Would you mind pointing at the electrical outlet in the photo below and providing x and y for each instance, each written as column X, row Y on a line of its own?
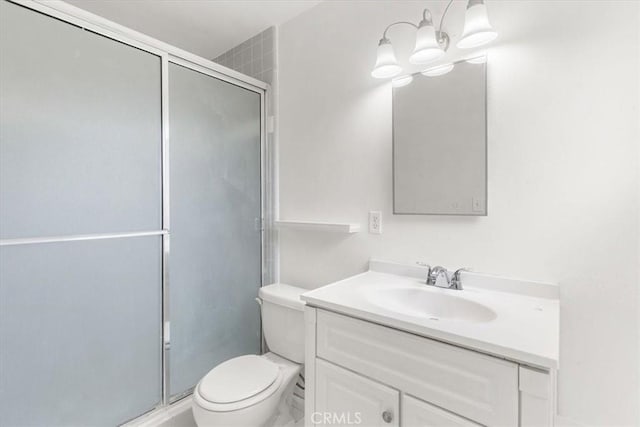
column 375, row 222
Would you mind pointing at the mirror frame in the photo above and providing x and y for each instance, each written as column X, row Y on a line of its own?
column 486, row 145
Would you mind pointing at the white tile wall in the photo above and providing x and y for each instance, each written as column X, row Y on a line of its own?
column 253, row 57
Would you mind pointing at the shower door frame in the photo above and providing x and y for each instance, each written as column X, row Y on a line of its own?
column 170, row 54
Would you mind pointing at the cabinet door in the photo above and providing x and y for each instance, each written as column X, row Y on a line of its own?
column 346, row 399
column 418, row 413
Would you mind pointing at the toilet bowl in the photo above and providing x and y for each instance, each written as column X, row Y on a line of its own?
column 248, row 390
column 222, row 399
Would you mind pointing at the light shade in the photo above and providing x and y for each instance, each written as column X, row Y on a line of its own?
column 386, row 63
column 480, row 59
column 439, row 70
column 427, row 47
column 402, row 81
column 477, row 29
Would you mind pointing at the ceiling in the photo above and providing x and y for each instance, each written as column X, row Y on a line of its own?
column 205, row 27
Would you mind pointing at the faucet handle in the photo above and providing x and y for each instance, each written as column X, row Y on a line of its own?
column 424, row 264
column 456, row 281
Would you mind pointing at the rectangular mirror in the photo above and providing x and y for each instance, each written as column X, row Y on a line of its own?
column 440, row 141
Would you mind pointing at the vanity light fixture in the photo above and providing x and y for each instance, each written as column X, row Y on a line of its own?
column 402, row 81
column 431, row 43
column 440, row 70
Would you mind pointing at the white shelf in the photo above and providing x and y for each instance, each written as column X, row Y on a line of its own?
column 333, row 227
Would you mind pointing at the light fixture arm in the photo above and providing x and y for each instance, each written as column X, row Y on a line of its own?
column 442, row 37
column 384, row 34
column 446, row 9
column 424, row 14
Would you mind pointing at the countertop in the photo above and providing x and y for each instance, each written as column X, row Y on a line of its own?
column 525, row 328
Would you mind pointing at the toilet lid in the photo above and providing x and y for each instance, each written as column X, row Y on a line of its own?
column 238, row 379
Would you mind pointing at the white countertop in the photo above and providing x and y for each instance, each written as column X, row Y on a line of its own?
column 525, row 328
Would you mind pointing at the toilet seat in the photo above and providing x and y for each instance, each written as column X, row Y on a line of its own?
column 238, row 383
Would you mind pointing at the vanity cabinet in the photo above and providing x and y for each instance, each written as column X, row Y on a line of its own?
column 359, row 372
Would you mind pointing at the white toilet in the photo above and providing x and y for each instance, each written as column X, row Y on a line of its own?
column 247, row 390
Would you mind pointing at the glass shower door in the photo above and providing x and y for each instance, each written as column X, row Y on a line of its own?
column 80, row 225
column 215, row 199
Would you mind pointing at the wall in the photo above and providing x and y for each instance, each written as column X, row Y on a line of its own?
column 563, row 171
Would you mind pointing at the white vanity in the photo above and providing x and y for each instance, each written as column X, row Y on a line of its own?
column 384, row 349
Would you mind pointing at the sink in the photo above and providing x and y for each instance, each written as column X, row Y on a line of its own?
column 431, row 304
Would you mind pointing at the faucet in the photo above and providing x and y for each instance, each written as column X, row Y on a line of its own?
column 456, row 281
column 439, row 276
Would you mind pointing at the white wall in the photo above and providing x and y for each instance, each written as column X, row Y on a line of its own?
column 563, row 171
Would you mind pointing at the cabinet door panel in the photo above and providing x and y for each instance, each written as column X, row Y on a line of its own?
column 345, row 399
column 417, row 413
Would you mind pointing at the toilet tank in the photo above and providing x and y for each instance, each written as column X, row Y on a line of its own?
column 283, row 320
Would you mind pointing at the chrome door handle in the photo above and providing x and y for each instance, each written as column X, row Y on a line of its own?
column 387, row 416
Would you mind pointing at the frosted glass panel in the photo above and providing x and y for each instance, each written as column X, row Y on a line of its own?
column 80, row 132
column 80, row 332
column 215, row 242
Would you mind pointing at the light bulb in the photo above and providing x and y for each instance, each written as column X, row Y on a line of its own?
column 402, row 81
column 439, row 70
column 477, row 29
column 480, row 59
column 427, row 48
column 386, row 63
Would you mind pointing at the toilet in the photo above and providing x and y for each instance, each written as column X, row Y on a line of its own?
column 248, row 390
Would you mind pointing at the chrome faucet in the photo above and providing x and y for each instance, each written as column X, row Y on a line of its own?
column 456, row 281
column 435, row 277
column 439, row 276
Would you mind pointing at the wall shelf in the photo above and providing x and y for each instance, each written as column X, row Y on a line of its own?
column 332, row 227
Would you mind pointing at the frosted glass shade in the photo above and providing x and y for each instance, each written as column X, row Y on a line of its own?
column 402, row 81
column 439, row 70
column 386, row 62
column 477, row 29
column 427, row 48
column 481, row 59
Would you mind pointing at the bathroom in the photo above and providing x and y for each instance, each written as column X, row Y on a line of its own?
column 180, row 180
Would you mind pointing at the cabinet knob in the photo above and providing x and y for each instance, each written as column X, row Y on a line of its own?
column 387, row 416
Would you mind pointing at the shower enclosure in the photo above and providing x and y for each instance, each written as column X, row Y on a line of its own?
column 131, row 207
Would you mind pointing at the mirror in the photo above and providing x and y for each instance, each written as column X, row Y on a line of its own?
column 440, row 141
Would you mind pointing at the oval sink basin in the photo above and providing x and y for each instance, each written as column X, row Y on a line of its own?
column 430, row 304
